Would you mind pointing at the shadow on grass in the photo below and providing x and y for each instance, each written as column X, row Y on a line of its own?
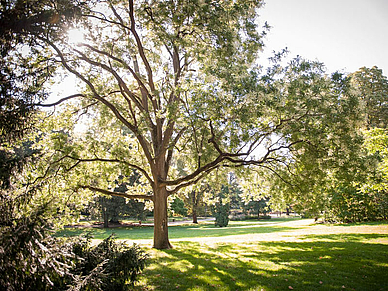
column 353, row 264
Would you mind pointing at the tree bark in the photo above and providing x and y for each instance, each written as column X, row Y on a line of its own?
column 195, row 205
column 161, row 219
column 195, row 218
column 105, row 217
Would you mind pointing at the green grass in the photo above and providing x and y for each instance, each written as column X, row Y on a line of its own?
column 205, row 229
column 282, row 257
column 316, row 265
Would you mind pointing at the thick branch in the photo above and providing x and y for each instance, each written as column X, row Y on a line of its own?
column 233, row 158
column 96, row 96
column 110, row 70
column 192, row 182
column 61, row 100
column 119, row 194
column 172, row 146
column 134, row 74
column 140, row 46
column 193, row 175
column 144, row 172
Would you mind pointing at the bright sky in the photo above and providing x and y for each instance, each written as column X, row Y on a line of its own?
column 343, row 34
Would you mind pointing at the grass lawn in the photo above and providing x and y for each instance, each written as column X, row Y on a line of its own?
column 264, row 255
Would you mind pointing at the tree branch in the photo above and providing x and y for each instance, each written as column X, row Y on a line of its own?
column 144, row 172
column 96, row 96
column 60, row 101
column 140, row 46
column 118, row 194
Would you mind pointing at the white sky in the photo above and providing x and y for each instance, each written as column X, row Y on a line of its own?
column 343, row 34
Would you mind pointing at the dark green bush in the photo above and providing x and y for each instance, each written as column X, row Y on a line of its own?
column 109, row 265
column 31, row 258
column 221, row 213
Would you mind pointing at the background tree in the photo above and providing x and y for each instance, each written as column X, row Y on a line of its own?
column 376, row 187
column 25, row 64
column 360, row 200
column 372, row 87
column 257, row 206
column 221, row 206
column 195, row 200
column 178, row 207
column 112, row 208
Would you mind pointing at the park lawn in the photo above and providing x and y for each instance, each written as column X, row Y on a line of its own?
column 272, row 255
column 188, row 230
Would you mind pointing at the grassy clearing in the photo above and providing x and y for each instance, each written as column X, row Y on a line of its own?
column 271, row 255
column 181, row 231
column 353, row 264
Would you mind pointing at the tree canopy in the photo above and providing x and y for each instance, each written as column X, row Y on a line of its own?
column 173, row 90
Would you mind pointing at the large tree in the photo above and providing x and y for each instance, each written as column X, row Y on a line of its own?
column 178, row 82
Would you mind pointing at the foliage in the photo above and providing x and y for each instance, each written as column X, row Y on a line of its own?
column 30, row 258
column 221, row 208
column 365, row 196
column 349, row 204
column 257, row 206
column 372, row 87
column 221, row 213
column 107, row 266
column 26, row 64
column 178, row 207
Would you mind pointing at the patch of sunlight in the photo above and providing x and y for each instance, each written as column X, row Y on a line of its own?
column 263, row 266
column 280, row 249
column 182, row 266
column 326, row 258
column 155, row 254
column 337, row 249
column 210, row 279
column 379, row 241
column 225, row 255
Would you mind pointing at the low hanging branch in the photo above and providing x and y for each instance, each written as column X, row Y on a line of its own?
column 118, row 194
column 144, row 172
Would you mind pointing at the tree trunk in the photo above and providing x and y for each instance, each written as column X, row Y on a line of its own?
column 195, row 205
column 195, row 218
column 105, row 216
column 161, row 219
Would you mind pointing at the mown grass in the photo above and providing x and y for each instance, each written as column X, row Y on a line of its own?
column 306, row 261
column 204, row 229
column 353, row 264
